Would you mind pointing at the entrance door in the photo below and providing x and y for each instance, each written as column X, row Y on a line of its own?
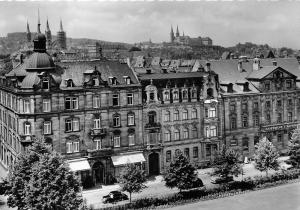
column 153, row 164
column 98, row 173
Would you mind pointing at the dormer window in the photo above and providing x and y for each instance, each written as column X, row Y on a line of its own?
column 267, row 85
column 45, row 84
column 210, row 93
column 167, row 96
column 69, row 83
column 184, row 94
column 175, row 95
column 288, row 84
column 113, row 80
column 230, row 88
column 246, row 87
column 95, row 82
column 127, row 80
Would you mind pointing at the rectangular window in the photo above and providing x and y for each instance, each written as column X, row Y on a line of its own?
column 255, row 105
column 167, row 136
column 27, row 130
column 117, row 141
column 69, row 147
column 279, row 103
column 245, row 121
column 279, row 118
column 233, row 123
column 115, row 99
column 268, row 118
column 176, row 135
column 245, row 144
column 98, row 144
column 212, row 112
column 185, row 133
column 279, row 138
column 194, row 114
column 26, row 106
column 256, row 120
column 97, row 123
column 185, row 115
column 195, row 152
column 167, row 116
column 76, row 146
column 213, row 131
column 232, row 107
column 187, row 152
column 96, row 101
column 68, row 125
column 116, row 121
column 71, row 103
column 129, row 99
column 130, row 119
column 168, row 156
column 176, row 115
column 131, row 139
column 244, row 107
column 75, row 124
column 290, row 102
column 288, row 84
column 206, row 112
column 46, row 105
column 47, row 127
column 290, row 116
column 268, row 104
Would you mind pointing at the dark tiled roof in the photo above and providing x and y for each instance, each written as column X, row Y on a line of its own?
column 177, row 75
column 39, row 60
column 76, row 70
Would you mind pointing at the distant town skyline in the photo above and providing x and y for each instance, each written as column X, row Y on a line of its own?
column 227, row 23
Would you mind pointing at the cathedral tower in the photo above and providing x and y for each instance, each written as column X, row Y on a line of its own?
column 177, row 32
column 172, row 35
column 48, row 36
column 61, row 37
column 28, row 33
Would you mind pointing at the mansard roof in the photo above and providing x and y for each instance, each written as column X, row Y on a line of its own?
column 178, row 75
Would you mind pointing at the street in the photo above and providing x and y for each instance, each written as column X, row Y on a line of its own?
column 285, row 197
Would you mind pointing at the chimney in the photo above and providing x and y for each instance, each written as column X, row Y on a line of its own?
column 274, row 63
column 208, row 66
column 240, row 66
column 256, row 64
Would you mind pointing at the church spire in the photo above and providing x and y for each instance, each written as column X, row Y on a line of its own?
column 61, row 26
column 39, row 23
column 177, row 32
column 47, row 25
column 172, row 35
column 28, row 30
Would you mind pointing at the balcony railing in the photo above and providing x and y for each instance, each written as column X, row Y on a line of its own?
column 153, row 125
column 98, row 131
column 101, row 152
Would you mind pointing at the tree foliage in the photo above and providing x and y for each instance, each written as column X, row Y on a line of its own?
column 182, row 175
column 294, row 149
column 227, row 163
column 133, row 179
column 266, row 156
column 41, row 180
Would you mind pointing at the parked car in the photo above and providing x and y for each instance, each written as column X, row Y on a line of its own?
column 114, row 196
column 222, row 179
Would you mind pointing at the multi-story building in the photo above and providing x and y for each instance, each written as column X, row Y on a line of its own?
column 90, row 112
column 260, row 98
column 181, row 113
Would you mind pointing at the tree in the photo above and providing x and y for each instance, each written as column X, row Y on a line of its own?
column 40, row 179
column 266, row 156
column 294, row 148
column 182, row 174
column 227, row 163
column 133, row 179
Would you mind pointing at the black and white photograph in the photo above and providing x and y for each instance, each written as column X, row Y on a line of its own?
column 115, row 105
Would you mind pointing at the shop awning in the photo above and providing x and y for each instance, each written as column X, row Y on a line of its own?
column 127, row 159
column 79, row 164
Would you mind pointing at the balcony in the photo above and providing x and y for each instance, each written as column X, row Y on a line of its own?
column 27, row 139
column 98, row 132
column 153, row 125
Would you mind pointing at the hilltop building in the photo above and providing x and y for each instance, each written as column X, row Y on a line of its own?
column 186, row 40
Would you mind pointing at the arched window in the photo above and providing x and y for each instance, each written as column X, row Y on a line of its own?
column 175, row 95
column 167, row 96
column 245, row 144
column 185, row 133
column 167, row 135
column 245, row 121
column 177, row 152
column 194, row 93
column 213, row 130
column 184, row 95
column 45, row 84
column 176, row 134
column 210, row 93
column 152, row 117
column 70, row 83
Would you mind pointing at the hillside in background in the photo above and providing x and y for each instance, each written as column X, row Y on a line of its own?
column 16, row 41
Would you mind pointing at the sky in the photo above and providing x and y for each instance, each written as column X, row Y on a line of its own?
column 225, row 22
